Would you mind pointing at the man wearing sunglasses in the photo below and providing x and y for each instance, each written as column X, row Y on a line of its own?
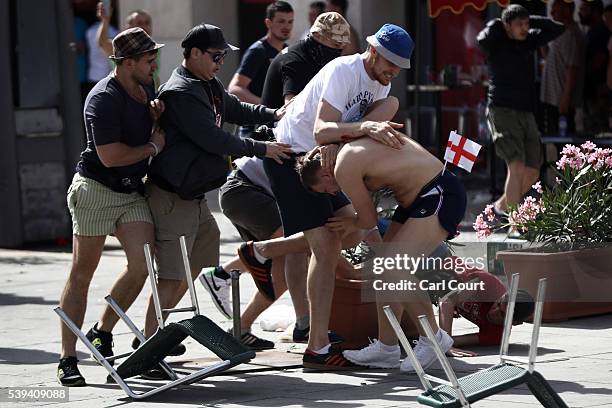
column 194, row 160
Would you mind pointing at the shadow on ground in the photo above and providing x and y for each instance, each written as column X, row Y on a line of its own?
column 31, row 356
column 11, row 299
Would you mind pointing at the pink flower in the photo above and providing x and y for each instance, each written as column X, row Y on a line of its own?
column 588, row 146
column 570, row 150
column 481, row 227
column 557, row 180
column 488, row 211
column 538, row 187
column 562, row 163
column 572, row 157
column 609, row 162
column 526, row 212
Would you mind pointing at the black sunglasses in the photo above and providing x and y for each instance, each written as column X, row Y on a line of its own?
column 217, row 56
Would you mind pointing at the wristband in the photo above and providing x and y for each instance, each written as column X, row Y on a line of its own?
column 154, row 147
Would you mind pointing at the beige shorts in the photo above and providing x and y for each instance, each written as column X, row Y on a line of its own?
column 516, row 135
column 97, row 210
column 174, row 217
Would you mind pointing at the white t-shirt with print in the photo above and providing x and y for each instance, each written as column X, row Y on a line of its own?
column 344, row 84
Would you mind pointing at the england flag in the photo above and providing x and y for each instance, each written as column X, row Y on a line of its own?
column 461, row 151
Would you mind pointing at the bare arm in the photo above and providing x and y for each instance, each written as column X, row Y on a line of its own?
column 289, row 97
column 239, row 86
column 102, row 34
column 466, row 340
column 349, row 176
column 328, row 128
column 120, row 154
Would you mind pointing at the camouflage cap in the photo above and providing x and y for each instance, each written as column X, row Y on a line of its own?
column 332, row 26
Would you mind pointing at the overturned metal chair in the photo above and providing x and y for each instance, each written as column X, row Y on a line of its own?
column 461, row 392
column 152, row 351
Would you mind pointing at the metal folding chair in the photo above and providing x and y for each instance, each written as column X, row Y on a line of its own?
column 461, row 392
column 152, row 351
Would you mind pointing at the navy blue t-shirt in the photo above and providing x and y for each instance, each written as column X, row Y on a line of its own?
column 255, row 63
column 111, row 115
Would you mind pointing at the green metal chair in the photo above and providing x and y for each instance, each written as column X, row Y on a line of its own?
column 152, row 351
column 461, row 392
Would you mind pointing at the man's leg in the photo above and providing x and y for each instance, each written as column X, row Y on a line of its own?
column 86, row 253
column 202, row 251
column 530, row 177
column 296, row 275
column 325, row 246
column 132, row 236
column 259, row 302
column 276, row 247
column 430, row 234
column 385, row 352
column 166, row 289
column 513, row 189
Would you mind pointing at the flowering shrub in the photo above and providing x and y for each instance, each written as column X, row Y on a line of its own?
column 576, row 210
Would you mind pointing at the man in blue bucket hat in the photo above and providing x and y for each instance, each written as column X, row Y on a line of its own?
column 347, row 99
column 394, row 44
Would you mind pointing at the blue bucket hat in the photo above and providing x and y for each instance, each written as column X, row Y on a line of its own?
column 393, row 43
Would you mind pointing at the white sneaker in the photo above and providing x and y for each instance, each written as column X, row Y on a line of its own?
column 220, row 291
column 374, row 356
column 425, row 353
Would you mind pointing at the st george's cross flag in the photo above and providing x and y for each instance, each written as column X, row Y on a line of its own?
column 461, row 151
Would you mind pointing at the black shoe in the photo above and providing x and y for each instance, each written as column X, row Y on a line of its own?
column 261, row 272
column 332, row 361
column 102, row 341
column 253, row 342
column 301, row 336
column 177, row 350
column 68, row 373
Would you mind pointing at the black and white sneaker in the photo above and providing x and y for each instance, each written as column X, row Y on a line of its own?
column 102, row 341
column 220, row 291
column 68, row 373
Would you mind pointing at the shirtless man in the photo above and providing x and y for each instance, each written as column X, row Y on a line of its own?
column 431, row 205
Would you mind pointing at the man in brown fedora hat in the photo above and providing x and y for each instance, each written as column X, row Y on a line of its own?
column 105, row 196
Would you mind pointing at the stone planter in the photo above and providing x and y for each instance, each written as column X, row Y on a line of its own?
column 579, row 282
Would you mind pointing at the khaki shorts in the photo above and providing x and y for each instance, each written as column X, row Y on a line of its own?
column 97, row 210
column 516, row 135
column 174, row 217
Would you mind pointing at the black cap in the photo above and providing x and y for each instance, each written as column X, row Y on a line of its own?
column 204, row 36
